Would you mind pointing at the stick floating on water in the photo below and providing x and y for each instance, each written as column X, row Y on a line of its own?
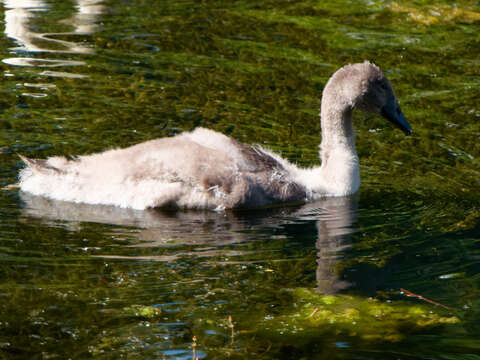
column 411, row 294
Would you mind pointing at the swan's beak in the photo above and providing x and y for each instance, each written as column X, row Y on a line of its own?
column 392, row 112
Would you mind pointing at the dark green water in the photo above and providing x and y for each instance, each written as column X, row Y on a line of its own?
column 322, row 281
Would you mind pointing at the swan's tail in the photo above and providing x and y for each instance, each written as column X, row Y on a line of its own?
column 40, row 166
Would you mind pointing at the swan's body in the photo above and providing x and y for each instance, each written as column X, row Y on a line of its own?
column 204, row 169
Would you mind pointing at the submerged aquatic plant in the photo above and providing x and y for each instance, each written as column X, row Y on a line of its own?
column 143, row 311
column 434, row 14
column 369, row 319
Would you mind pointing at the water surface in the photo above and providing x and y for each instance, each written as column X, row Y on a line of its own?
column 325, row 280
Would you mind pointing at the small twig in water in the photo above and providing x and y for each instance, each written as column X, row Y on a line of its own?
column 230, row 324
column 194, row 348
column 103, row 281
column 313, row 312
column 11, row 187
column 410, row 294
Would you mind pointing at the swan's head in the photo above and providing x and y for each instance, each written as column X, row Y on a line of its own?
column 365, row 87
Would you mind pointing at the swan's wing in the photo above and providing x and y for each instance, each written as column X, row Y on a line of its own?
column 258, row 160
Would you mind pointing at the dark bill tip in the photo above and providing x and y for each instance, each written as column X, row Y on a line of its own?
column 393, row 113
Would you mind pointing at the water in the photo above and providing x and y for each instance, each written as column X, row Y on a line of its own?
column 391, row 273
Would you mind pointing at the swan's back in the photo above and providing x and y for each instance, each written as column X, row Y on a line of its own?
column 201, row 169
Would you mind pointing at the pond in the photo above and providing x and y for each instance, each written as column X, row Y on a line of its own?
column 390, row 273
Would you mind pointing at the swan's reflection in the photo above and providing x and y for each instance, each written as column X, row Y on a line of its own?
column 334, row 218
column 334, row 228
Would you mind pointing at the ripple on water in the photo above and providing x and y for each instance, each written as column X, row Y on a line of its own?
column 35, row 62
column 62, row 74
column 20, row 18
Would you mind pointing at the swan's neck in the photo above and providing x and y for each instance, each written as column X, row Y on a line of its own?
column 339, row 173
column 337, row 131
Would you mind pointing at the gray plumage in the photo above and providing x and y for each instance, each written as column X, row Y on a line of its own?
column 204, row 169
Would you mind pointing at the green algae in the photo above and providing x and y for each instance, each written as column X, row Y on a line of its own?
column 434, row 14
column 142, row 311
column 369, row 319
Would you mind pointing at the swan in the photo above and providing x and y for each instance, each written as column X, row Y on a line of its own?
column 204, row 169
